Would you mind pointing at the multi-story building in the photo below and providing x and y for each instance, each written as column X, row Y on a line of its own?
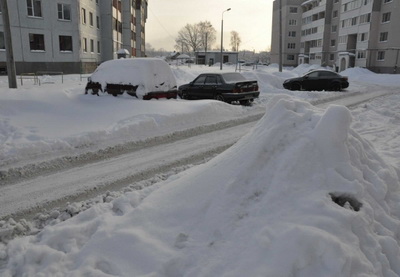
column 338, row 33
column 73, row 36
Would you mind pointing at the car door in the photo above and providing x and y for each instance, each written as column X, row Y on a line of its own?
column 312, row 81
column 196, row 87
column 210, row 86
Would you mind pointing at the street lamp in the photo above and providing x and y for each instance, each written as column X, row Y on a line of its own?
column 222, row 35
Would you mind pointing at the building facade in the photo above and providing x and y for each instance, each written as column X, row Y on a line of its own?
column 338, row 33
column 72, row 36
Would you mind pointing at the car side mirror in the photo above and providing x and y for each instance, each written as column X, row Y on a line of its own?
column 306, row 77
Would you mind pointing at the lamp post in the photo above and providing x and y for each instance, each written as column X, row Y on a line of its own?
column 222, row 35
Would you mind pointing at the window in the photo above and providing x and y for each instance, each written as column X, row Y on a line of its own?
column 387, row 1
column 336, row 1
column 2, row 41
column 84, row 46
column 333, row 42
column 365, row 18
column 200, row 80
column 98, row 22
column 293, row 9
column 331, row 57
column 292, row 34
column 343, row 39
column 91, row 18
column 64, row 11
column 290, row 57
column 36, row 42
column 334, row 28
column 335, row 14
column 83, row 16
column 34, row 8
column 362, row 54
column 98, row 47
column 354, row 21
column 381, row 56
column 65, row 43
column 291, row 46
column 92, row 46
column 386, row 17
column 363, row 36
column 292, row 22
column 383, row 36
column 211, row 80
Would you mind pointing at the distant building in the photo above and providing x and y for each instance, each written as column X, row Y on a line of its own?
column 338, row 33
column 212, row 57
column 73, row 36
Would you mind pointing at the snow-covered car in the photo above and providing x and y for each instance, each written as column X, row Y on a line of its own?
column 145, row 78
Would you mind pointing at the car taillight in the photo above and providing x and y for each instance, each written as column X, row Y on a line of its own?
column 255, row 87
column 345, row 78
column 236, row 90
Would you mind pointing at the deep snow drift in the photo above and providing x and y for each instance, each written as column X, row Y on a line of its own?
column 301, row 195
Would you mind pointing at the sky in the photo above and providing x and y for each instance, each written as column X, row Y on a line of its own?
column 252, row 19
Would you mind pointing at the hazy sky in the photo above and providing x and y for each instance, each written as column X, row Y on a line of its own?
column 250, row 18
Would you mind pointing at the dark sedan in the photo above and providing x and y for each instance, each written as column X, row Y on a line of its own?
column 227, row 87
column 318, row 80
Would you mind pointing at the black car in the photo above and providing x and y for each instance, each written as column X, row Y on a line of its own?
column 318, row 80
column 227, row 87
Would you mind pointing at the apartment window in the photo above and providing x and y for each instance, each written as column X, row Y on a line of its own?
column 64, row 11
column 290, row 57
column 36, row 42
column 386, row 17
column 292, row 22
column 335, row 14
column 381, row 56
column 292, row 34
column 336, row 1
column 291, row 46
column 98, row 22
column 34, row 8
column 293, row 9
column 363, row 36
column 387, row 1
column 92, row 46
column 333, row 42
column 365, row 18
column 343, row 39
column 334, row 28
column 383, row 36
column 91, row 18
column 83, row 16
column 362, row 54
column 354, row 21
column 84, row 45
column 98, row 47
column 331, row 57
column 65, row 43
column 2, row 41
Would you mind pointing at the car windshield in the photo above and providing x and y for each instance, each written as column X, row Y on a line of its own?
column 233, row 77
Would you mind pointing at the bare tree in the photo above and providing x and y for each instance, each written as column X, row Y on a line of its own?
column 194, row 37
column 189, row 39
column 207, row 34
column 235, row 41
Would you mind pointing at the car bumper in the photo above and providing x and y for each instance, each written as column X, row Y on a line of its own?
column 240, row 96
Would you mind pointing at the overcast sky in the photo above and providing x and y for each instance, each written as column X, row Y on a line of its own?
column 250, row 18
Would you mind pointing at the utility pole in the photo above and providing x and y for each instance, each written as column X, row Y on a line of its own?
column 12, row 78
column 280, row 35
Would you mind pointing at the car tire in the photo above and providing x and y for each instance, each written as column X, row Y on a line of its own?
column 244, row 102
column 184, row 95
column 219, row 97
column 335, row 87
column 295, row 86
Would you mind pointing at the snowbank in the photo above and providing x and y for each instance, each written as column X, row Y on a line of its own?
column 301, row 195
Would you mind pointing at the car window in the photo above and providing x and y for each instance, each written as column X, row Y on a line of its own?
column 233, row 77
column 330, row 74
column 200, row 80
column 313, row 74
column 211, row 80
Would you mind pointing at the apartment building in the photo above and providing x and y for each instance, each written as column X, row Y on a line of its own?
column 338, row 33
column 73, row 36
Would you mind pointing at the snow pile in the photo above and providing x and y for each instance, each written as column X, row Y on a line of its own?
column 149, row 74
column 366, row 76
column 301, row 195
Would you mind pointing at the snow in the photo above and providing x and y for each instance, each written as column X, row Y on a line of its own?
column 309, row 191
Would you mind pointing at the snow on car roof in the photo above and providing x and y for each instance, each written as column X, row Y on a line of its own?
column 149, row 74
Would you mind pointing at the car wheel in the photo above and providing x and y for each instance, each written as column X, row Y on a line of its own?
column 219, row 97
column 335, row 87
column 184, row 95
column 244, row 102
column 295, row 86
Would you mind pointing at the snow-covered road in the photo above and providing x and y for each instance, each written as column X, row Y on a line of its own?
column 55, row 189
